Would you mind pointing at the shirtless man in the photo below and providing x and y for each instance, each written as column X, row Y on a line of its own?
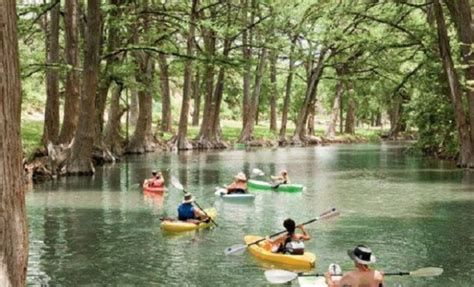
column 363, row 276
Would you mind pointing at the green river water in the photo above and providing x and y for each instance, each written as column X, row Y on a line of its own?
column 413, row 212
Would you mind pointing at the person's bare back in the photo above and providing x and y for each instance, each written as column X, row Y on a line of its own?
column 370, row 278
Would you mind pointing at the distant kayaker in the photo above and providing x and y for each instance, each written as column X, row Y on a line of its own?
column 239, row 185
column 283, row 178
column 290, row 242
column 363, row 276
column 156, row 180
column 188, row 212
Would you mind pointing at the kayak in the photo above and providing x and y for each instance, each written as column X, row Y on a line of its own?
column 311, row 281
column 319, row 281
column 160, row 189
column 222, row 192
column 263, row 185
column 182, row 226
column 262, row 250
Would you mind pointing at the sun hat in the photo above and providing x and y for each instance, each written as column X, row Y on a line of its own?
column 241, row 176
column 154, row 172
column 284, row 171
column 188, row 198
column 361, row 254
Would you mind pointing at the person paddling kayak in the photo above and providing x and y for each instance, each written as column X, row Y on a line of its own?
column 239, row 185
column 156, row 180
column 188, row 212
column 290, row 242
column 363, row 276
column 283, row 178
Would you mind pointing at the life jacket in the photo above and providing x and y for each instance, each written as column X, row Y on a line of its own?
column 186, row 211
column 156, row 183
column 294, row 247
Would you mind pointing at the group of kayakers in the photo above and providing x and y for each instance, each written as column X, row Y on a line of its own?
column 289, row 242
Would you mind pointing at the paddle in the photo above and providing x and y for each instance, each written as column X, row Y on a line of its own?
column 240, row 248
column 175, row 182
column 278, row 276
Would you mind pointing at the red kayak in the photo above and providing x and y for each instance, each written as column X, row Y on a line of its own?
column 160, row 189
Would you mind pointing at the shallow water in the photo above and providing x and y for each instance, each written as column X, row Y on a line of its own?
column 413, row 212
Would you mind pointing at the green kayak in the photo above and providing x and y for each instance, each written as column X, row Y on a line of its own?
column 263, row 185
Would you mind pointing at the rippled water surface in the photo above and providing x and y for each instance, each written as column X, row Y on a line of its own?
column 413, row 212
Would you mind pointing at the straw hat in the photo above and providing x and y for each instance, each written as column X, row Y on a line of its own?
column 241, row 176
column 188, row 198
column 284, row 172
column 361, row 254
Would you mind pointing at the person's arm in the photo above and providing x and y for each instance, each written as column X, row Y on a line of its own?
column 199, row 213
column 305, row 235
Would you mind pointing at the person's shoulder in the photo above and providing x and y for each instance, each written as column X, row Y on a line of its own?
column 378, row 275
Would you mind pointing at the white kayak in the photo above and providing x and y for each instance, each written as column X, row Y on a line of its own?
column 222, row 192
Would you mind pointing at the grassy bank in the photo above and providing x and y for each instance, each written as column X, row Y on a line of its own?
column 31, row 131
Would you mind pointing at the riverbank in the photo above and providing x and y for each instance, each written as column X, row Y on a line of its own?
column 39, row 167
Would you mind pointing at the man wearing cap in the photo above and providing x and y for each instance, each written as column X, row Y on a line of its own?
column 187, row 211
column 156, row 180
column 239, row 185
column 363, row 276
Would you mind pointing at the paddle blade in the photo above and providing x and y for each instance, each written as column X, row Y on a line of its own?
column 235, row 249
column 280, row 276
column 175, row 182
column 427, row 272
column 257, row 172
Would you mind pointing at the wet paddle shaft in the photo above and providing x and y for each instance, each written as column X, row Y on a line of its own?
column 175, row 182
column 238, row 249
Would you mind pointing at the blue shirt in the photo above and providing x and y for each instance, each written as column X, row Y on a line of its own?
column 186, row 211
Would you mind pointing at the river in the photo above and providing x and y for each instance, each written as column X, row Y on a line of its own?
column 412, row 211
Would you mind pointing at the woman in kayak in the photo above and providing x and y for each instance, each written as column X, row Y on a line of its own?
column 363, row 276
column 188, row 212
column 290, row 242
column 283, row 178
column 156, row 180
column 239, row 185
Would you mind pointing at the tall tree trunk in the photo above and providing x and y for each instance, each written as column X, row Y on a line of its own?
column 197, row 99
column 209, row 38
column 113, row 41
column 331, row 129
column 247, row 37
column 286, row 102
column 351, row 110
column 218, row 95
column 133, row 105
column 73, row 80
column 460, row 11
column 166, row 117
column 300, row 131
column 247, row 131
column 142, row 140
column 273, row 81
column 80, row 161
column 181, row 141
column 13, row 225
column 51, row 114
column 310, row 127
column 378, row 119
column 465, row 157
column 113, row 135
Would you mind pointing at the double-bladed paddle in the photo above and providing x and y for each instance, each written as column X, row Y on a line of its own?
column 175, row 182
column 240, row 248
column 278, row 276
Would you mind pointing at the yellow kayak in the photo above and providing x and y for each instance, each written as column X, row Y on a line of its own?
column 182, row 226
column 262, row 250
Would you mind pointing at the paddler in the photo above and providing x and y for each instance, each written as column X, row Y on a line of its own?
column 362, row 276
column 239, row 185
column 282, row 178
column 155, row 181
column 188, row 212
column 290, row 242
